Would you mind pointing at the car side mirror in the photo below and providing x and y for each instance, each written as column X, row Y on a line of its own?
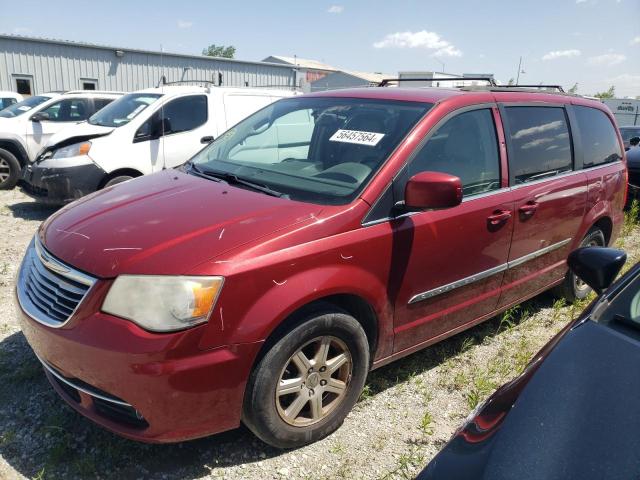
column 634, row 141
column 40, row 117
column 432, row 190
column 161, row 127
column 598, row 267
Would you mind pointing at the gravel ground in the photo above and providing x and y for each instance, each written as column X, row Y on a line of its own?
column 406, row 414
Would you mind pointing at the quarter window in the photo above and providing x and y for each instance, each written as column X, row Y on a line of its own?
column 539, row 145
column 598, row 137
column 465, row 146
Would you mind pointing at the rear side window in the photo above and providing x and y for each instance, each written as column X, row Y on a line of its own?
column 100, row 103
column 465, row 146
column 598, row 137
column 71, row 110
column 186, row 113
column 539, row 143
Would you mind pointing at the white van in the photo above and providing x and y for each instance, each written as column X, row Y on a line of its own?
column 27, row 126
column 141, row 133
column 9, row 98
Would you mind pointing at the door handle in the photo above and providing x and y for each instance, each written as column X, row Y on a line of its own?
column 498, row 217
column 528, row 209
column 207, row 139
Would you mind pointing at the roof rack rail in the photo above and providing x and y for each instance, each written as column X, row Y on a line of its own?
column 108, row 92
column 548, row 87
column 386, row 81
column 163, row 81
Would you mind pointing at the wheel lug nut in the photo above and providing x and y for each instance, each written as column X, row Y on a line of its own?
column 323, row 382
column 310, row 370
column 323, row 369
column 311, row 392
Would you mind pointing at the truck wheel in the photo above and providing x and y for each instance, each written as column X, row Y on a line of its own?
column 117, row 180
column 572, row 288
column 307, row 383
column 9, row 170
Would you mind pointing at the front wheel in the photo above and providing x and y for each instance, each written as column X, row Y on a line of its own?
column 308, row 381
column 117, row 180
column 573, row 288
column 9, row 170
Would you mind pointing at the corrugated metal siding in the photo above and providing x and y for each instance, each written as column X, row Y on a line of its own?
column 62, row 66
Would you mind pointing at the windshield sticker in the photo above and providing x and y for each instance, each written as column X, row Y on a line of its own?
column 24, row 108
column 138, row 109
column 370, row 139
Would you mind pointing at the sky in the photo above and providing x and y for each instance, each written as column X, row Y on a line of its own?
column 595, row 43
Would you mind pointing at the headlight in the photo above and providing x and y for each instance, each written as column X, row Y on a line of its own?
column 74, row 150
column 162, row 303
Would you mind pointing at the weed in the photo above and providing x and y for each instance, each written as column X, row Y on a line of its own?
column 366, row 393
column 631, row 218
column 39, row 475
column 426, row 424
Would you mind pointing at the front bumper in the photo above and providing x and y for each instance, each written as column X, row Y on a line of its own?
column 144, row 386
column 60, row 185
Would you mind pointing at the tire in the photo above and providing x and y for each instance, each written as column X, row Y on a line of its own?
column 572, row 288
column 116, row 180
column 9, row 170
column 289, row 419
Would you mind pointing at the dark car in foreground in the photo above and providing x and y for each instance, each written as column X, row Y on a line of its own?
column 572, row 413
column 628, row 133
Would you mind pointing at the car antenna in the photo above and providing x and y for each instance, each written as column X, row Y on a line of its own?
column 164, row 80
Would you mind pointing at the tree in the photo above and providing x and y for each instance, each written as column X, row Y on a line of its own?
column 574, row 89
column 611, row 93
column 214, row 50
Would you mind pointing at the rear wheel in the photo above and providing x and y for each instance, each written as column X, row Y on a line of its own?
column 572, row 288
column 306, row 384
column 9, row 170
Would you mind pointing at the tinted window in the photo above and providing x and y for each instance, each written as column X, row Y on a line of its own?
column 100, row 103
column 629, row 132
column 186, row 113
column 70, row 110
column 539, row 143
column 465, row 146
column 598, row 137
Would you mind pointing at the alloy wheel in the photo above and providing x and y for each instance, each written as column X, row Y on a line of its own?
column 314, row 381
column 5, row 170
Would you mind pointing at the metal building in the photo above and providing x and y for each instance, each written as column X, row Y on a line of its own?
column 35, row 65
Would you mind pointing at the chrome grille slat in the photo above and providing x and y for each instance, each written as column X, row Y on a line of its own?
column 50, row 300
column 50, row 291
column 57, row 280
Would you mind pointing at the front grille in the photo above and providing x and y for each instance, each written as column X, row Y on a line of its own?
column 49, row 290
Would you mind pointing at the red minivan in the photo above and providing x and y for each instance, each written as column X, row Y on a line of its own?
column 322, row 237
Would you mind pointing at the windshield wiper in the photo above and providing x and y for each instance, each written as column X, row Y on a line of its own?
column 230, row 178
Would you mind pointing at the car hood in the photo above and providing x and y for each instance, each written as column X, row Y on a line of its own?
column 166, row 223
column 78, row 132
column 575, row 417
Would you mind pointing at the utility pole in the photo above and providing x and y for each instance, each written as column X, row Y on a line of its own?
column 441, row 63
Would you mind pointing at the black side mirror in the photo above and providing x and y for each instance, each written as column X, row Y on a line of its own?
column 634, row 141
column 39, row 117
column 597, row 266
column 161, row 127
column 206, row 140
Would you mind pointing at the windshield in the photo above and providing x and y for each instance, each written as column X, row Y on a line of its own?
column 123, row 110
column 320, row 150
column 22, row 107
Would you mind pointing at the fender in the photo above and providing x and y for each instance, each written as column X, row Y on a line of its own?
column 288, row 295
column 600, row 210
column 13, row 143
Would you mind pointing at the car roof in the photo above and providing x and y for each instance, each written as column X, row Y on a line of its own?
column 471, row 94
column 93, row 93
column 186, row 89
